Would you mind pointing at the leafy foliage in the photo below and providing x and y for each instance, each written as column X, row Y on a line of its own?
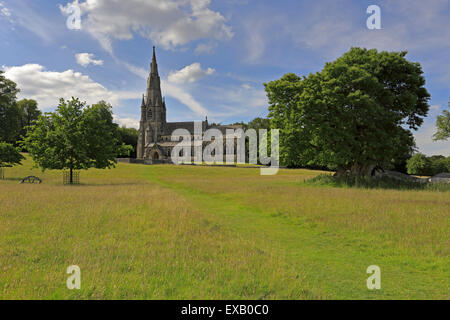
column 353, row 114
column 443, row 126
column 74, row 137
column 128, row 136
column 421, row 165
column 28, row 113
column 9, row 155
column 365, row 182
column 259, row 123
column 14, row 116
column 9, row 114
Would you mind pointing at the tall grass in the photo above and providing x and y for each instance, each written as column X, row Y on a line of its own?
column 187, row 232
column 349, row 181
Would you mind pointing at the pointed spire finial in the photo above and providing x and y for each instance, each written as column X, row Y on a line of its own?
column 154, row 65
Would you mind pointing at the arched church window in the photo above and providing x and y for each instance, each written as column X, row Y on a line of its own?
column 149, row 114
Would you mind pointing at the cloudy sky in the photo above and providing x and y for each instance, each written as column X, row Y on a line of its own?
column 213, row 56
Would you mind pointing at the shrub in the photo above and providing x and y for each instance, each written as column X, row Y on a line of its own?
column 419, row 164
column 351, row 181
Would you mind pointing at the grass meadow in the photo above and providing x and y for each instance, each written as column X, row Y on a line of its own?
column 186, row 232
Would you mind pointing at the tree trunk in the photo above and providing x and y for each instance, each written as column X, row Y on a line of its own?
column 362, row 170
column 71, row 176
column 356, row 169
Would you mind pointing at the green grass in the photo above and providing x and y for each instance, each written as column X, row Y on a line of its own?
column 187, row 232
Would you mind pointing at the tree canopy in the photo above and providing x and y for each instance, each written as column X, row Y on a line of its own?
column 75, row 137
column 357, row 113
column 421, row 165
column 443, row 126
column 15, row 115
column 28, row 113
column 9, row 155
column 128, row 136
column 9, row 115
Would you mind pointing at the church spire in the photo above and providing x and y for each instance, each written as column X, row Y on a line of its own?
column 154, row 65
column 153, row 93
column 153, row 97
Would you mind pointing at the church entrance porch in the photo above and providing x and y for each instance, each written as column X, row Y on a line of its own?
column 154, row 153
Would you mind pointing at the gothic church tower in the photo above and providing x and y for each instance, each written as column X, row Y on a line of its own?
column 153, row 111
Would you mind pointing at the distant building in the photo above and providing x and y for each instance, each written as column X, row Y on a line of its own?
column 154, row 140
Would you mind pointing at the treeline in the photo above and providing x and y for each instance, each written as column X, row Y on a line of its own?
column 15, row 116
column 421, row 165
column 417, row 164
column 128, row 136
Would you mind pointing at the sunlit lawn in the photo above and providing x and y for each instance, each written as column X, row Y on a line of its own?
column 186, row 232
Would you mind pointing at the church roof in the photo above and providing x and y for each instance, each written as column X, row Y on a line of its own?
column 170, row 127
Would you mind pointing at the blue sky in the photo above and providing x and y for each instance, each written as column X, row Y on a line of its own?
column 213, row 56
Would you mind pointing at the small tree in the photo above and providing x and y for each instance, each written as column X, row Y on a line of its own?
column 419, row 164
column 74, row 138
column 9, row 155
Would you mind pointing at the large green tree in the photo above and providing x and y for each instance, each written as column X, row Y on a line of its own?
column 74, row 137
column 355, row 114
column 9, row 113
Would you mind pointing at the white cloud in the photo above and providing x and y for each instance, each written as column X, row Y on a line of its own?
column 140, row 72
column 172, row 90
column 128, row 122
column 179, row 93
column 424, row 136
column 205, row 48
column 47, row 87
column 256, row 41
column 168, row 23
column 189, row 74
column 435, row 108
column 235, row 101
column 244, row 95
column 4, row 11
column 426, row 145
column 85, row 59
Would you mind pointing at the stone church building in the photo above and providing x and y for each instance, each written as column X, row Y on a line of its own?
column 154, row 139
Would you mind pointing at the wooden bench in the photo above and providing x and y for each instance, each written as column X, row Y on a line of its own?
column 31, row 179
